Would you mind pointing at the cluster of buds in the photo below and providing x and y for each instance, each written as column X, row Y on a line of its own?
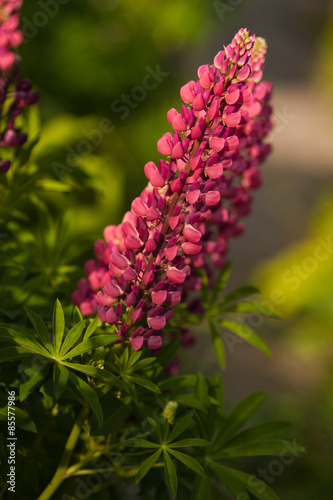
column 191, row 207
column 15, row 94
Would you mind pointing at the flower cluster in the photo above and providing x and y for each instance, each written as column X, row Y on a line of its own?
column 192, row 204
column 14, row 94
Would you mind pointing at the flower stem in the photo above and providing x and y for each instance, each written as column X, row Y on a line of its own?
column 66, row 456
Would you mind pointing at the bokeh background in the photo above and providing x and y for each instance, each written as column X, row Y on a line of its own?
column 91, row 59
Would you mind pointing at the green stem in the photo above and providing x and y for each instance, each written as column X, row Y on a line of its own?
column 66, row 456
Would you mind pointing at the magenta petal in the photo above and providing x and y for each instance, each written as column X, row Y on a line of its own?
column 173, row 298
column 154, row 342
column 149, row 169
column 157, row 322
column 186, row 92
column 159, row 297
column 198, row 103
column 191, row 234
column 178, row 123
column 104, row 300
column 150, row 245
column 215, row 171
column 129, row 274
column 113, row 289
column 139, row 207
column 176, row 275
column 152, row 214
column 244, row 73
column 232, row 97
column 216, row 143
column 174, row 221
column 211, row 198
column 136, row 343
column 164, row 144
column 191, row 248
column 171, row 252
column 177, row 151
column 156, row 179
column 171, row 115
column 231, row 143
column 119, row 260
column 193, row 196
column 232, row 120
column 132, row 242
column 111, row 316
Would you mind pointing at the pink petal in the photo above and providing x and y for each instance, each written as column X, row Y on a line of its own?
column 174, row 221
column 178, row 123
column 231, row 143
column 193, row 196
column 233, row 119
column 215, row 171
column 191, row 248
column 132, row 242
column 129, row 274
column 157, row 322
column 136, row 343
column 164, row 144
column 210, row 198
column 149, row 169
column 156, row 179
column 159, row 297
column 111, row 316
column 104, row 300
column 191, row 234
column 171, row 252
column 139, row 207
column 232, row 97
column 171, row 115
column 177, row 151
column 150, row 245
column 176, row 275
column 119, row 260
column 198, row 103
column 113, row 289
column 154, row 342
column 186, row 92
column 173, row 298
column 86, row 308
column 244, row 73
column 216, row 143
column 152, row 214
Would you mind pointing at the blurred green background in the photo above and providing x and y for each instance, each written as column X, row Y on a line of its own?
column 123, row 61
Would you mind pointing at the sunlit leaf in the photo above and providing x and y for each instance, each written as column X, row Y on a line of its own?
column 72, row 337
column 90, row 344
column 247, row 334
column 41, row 329
column 58, row 326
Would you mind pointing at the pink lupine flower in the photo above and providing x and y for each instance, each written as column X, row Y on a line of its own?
column 192, row 205
column 14, row 94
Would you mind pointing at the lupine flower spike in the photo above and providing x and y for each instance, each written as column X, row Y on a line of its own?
column 193, row 202
column 15, row 94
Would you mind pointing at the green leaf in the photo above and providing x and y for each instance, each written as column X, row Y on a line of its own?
column 247, row 334
column 190, row 402
column 250, row 307
column 258, row 448
column 140, row 443
column 183, row 443
column 90, row 344
column 91, row 328
column 144, row 383
column 77, row 316
column 41, row 328
column 216, row 385
column 147, row 465
column 21, row 336
column 251, row 483
column 93, row 371
column 239, row 293
column 239, row 416
column 89, row 395
column 72, row 337
column 36, row 374
column 260, row 432
column 13, row 353
column 204, row 286
column 115, row 414
column 143, row 363
column 217, row 344
column 58, row 326
column 179, row 428
column 190, row 462
column 60, row 377
column 201, row 489
column 233, row 484
column 221, row 281
column 168, row 352
column 22, row 419
column 200, row 390
column 170, row 473
column 183, row 381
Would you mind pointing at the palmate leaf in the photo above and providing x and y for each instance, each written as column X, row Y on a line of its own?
column 140, row 443
column 247, row 334
column 260, row 432
column 184, row 443
column 91, row 328
column 259, row 448
column 250, row 307
column 13, row 353
column 190, row 462
column 22, row 337
column 37, row 375
column 147, row 465
column 72, row 337
column 239, row 293
column 234, row 477
column 217, row 344
column 41, row 329
column 60, row 377
column 200, row 390
column 201, row 488
column 190, row 402
column 58, row 326
column 173, row 382
column 89, row 395
column 170, row 473
column 220, row 282
column 144, row 383
column 238, row 417
column 93, row 371
column 89, row 345
column 179, row 428
column 22, row 419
